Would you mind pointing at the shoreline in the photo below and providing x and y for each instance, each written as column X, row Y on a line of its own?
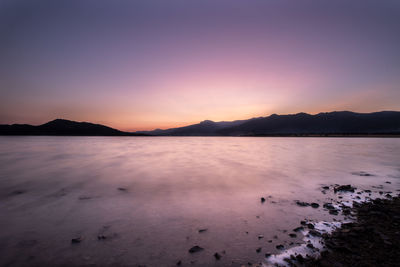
column 371, row 239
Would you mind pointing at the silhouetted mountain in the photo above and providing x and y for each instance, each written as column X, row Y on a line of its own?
column 204, row 128
column 332, row 123
column 301, row 124
column 63, row 127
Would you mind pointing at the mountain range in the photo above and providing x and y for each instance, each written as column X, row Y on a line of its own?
column 335, row 123
column 330, row 123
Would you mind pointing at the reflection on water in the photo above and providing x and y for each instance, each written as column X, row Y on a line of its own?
column 149, row 196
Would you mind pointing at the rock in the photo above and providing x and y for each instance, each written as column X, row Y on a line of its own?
column 300, row 258
column 280, row 246
column 310, row 226
column 388, row 182
column 303, row 222
column 325, row 187
column 179, row 263
column 262, row 200
column 76, row 240
column 314, row 233
column 346, row 188
column 122, row 189
column 217, row 256
column 260, row 236
column 315, row 205
column 346, row 211
column 333, row 212
column 202, row 230
column 267, row 255
column 258, row 250
column 293, row 235
column 329, row 206
column 101, row 237
column 302, row 204
column 310, row 246
column 195, row 249
column 298, row 229
column 362, row 173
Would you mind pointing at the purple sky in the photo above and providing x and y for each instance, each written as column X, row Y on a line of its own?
column 138, row 65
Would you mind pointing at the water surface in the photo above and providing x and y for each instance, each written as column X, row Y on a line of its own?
column 150, row 196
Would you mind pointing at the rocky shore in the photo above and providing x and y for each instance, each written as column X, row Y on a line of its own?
column 367, row 234
column 373, row 240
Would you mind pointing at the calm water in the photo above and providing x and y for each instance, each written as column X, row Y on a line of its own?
column 53, row 189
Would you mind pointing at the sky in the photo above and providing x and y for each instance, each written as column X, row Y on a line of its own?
column 141, row 65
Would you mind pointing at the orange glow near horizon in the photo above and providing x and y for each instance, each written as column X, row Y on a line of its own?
column 146, row 65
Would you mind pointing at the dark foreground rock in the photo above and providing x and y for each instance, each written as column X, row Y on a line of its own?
column 373, row 240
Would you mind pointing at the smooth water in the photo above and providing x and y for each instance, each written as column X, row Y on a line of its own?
column 150, row 196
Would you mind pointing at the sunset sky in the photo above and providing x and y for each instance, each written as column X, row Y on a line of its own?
column 137, row 65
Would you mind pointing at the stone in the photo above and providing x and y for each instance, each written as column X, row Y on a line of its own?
column 195, row 249
column 315, row 205
column 76, row 240
column 346, row 188
column 217, row 256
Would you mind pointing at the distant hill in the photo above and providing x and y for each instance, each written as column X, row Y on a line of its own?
column 63, row 127
column 332, row 123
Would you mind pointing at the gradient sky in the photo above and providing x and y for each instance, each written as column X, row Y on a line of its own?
column 138, row 65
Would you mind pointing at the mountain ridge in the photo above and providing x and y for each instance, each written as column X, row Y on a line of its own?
column 335, row 122
column 299, row 124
